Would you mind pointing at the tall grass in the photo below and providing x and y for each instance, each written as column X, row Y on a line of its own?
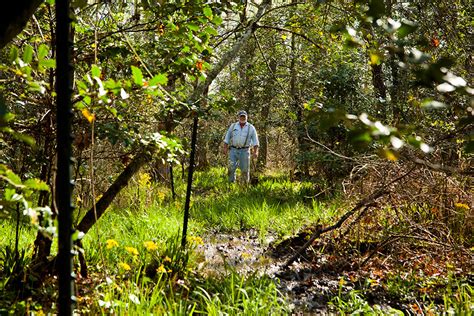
column 134, row 256
column 137, row 265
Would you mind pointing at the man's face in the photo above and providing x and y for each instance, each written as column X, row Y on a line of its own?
column 242, row 119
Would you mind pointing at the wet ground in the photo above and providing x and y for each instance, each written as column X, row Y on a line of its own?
column 309, row 283
column 246, row 253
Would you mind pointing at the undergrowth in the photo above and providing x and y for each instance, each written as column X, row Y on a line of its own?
column 137, row 266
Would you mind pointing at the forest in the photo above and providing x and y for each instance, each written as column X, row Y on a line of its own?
column 359, row 200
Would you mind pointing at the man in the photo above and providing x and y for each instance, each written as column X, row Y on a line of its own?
column 240, row 137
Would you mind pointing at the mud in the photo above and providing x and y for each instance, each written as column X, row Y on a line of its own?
column 246, row 253
column 309, row 283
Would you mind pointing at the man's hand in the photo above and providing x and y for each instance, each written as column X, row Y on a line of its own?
column 225, row 148
column 255, row 152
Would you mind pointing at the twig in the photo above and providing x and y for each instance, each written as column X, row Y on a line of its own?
column 392, row 238
column 267, row 63
column 438, row 167
column 364, row 202
column 319, row 230
column 289, row 31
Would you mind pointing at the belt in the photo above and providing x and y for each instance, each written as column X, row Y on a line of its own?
column 239, row 147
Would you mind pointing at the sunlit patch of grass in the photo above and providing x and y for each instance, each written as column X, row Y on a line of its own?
column 134, row 249
column 280, row 207
column 26, row 234
column 230, row 295
column 239, row 295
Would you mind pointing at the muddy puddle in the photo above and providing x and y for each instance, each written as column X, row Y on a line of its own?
column 246, row 253
column 309, row 286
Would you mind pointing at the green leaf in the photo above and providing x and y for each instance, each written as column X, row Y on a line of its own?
column 161, row 79
column 81, row 85
column 360, row 136
column 12, row 178
column 137, row 76
column 36, row 87
column 192, row 27
column 95, row 71
column 433, row 104
column 406, row 29
column 36, row 184
column 28, row 54
column 87, row 100
column 13, row 53
column 77, row 235
column 211, row 31
column 208, row 12
column 9, row 194
column 47, row 63
column 43, row 51
column 111, row 84
column 113, row 111
column 24, row 138
column 217, row 20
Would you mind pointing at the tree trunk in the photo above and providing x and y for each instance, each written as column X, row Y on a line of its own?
column 302, row 163
column 14, row 19
column 229, row 55
column 380, row 89
column 265, row 113
column 104, row 202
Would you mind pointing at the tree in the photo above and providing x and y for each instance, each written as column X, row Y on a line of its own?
column 13, row 19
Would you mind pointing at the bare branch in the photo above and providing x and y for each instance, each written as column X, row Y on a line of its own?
column 291, row 32
column 364, row 203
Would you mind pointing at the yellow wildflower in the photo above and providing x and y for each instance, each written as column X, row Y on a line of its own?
column 124, row 266
column 342, row 281
column 132, row 250
column 144, row 180
column 246, row 255
column 150, row 245
column 196, row 240
column 167, row 259
column 462, row 205
column 161, row 269
column 111, row 243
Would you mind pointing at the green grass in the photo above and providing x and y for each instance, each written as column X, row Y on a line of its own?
column 132, row 278
column 137, row 266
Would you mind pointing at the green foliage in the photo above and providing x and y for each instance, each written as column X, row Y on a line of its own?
column 354, row 304
column 13, row 265
column 136, row 64
column 239, row 295
column 458, row 300
column 18, row 193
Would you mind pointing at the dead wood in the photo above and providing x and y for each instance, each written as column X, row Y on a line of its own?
column 365, row 202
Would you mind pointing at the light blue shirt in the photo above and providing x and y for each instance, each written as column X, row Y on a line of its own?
column 237, row 136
